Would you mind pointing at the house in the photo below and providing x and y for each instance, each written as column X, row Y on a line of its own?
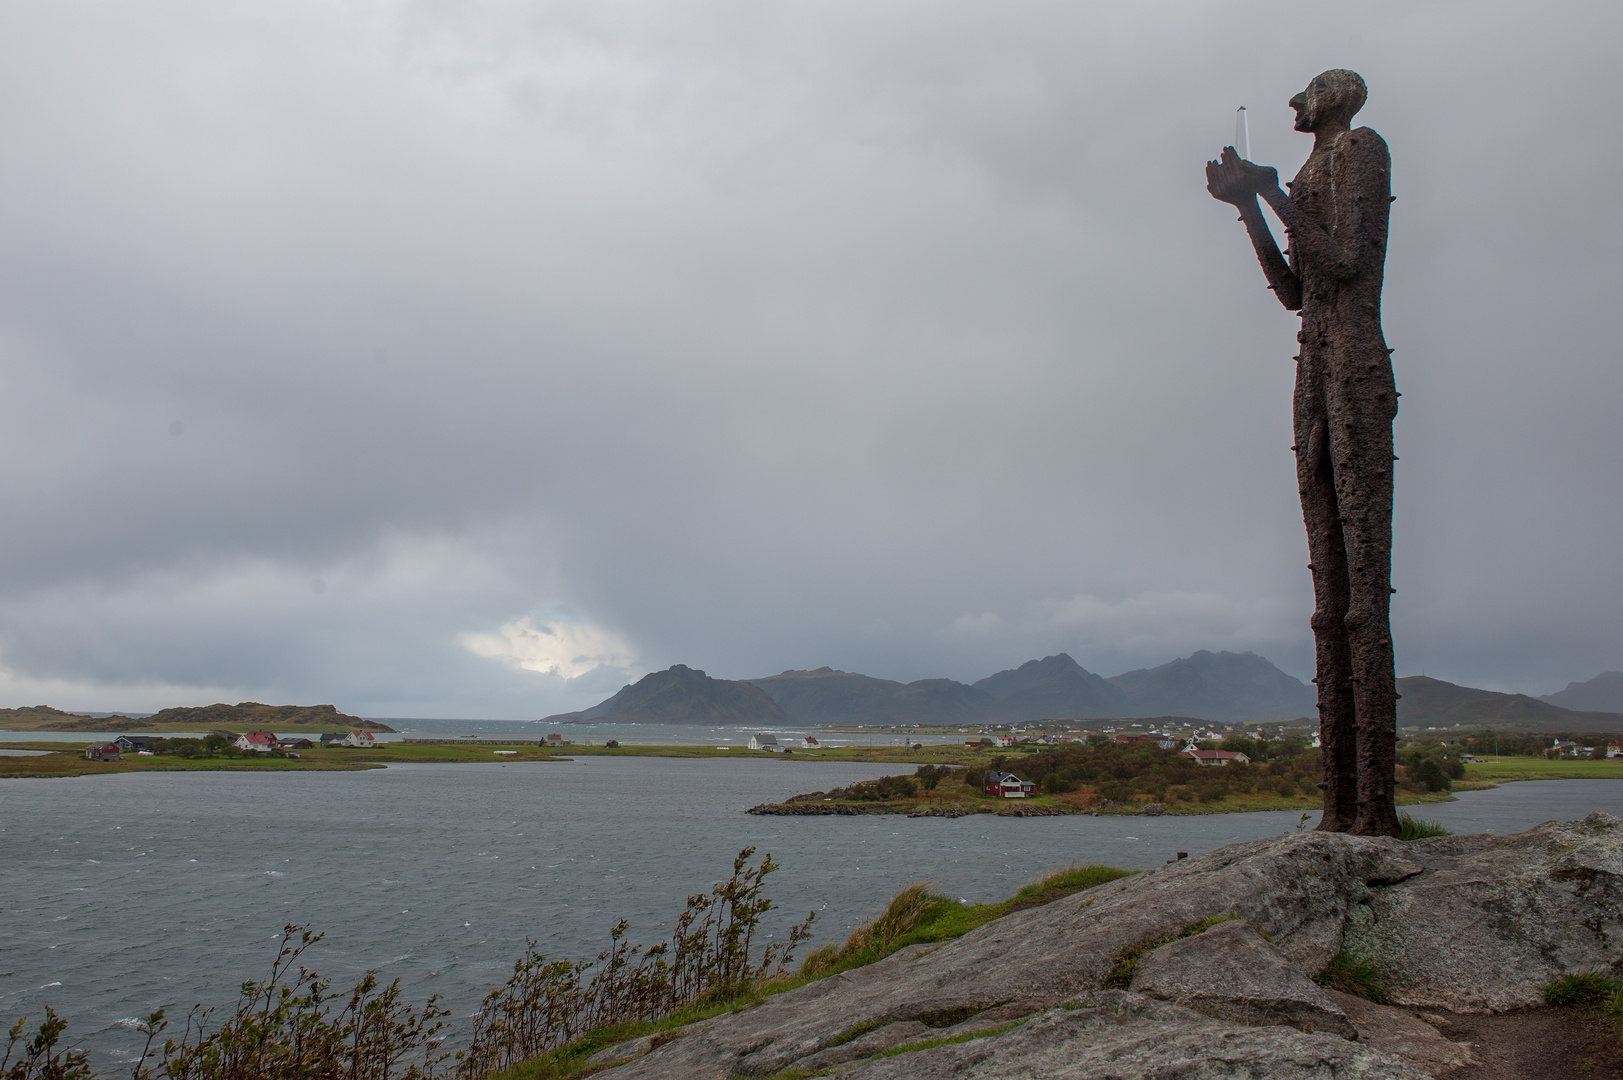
column 362, row 739
column 333, row 738
column 1216, row 757
column 976, row 744
column 761, row 741
column 1165, row 742
column 260, row 742
column 1005, row 740
column 1006, row 785
column 811, row 742
column 295, row 742
column 103, row 751
column 131, row 744
column 555, row 739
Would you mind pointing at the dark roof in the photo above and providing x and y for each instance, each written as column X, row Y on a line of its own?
column 999, row 777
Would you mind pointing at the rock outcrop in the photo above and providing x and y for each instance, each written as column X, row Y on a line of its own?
column 1220, row 950
column 1232, row 973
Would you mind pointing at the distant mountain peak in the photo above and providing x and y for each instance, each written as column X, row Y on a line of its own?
column 1603, row 693
column 684, row 695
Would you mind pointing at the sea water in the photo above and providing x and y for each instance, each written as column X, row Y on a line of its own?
column 125, row 893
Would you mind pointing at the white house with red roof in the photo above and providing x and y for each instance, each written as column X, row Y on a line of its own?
column 261, row 742
column 1216, row 757
column 362, row 739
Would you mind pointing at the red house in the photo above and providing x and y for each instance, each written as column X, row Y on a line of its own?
column 103, row 751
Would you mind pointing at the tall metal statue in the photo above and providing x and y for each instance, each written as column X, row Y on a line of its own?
column 1335, row 225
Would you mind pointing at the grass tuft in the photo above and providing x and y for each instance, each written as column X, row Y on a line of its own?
column 946, row 1040
column 1413, row 828
column 917, row 916
column 1121, row 972
column 1351, row 976
column 1581, row 987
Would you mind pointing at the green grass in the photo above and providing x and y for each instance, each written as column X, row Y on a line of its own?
column 1582, row 987
column 917, row 916
column 1352, row 976
column 1121, row 972
column 947, row 1040
column 1412, row 828
column 1509, row 768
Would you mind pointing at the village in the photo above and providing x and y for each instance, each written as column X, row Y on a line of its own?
column 247, row 742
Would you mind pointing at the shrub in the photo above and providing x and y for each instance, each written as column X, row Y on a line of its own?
column 547, row 1004
column 290, row 1027
column 1430, row 773
column 40, row 1060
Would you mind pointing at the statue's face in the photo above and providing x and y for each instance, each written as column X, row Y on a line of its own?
column 1309, row 105
column 1319, row 102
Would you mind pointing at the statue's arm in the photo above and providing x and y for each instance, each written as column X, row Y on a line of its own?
column 1233, row 181
column 1285, row 284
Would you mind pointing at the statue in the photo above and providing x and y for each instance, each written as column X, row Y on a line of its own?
column 1335, row 225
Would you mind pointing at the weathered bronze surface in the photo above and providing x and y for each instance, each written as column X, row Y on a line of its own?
column 1335, row 225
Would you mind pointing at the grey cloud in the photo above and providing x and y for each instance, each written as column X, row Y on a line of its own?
column 767, row 336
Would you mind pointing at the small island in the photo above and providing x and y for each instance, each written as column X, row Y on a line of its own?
column 1126, row 775
column 243, row 716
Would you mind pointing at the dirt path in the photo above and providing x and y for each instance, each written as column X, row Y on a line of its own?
column 1535, row 1044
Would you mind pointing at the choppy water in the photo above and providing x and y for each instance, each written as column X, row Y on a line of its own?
column 120, row 894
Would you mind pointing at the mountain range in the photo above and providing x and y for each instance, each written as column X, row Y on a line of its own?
column 1222, row 687
column 1435, row 703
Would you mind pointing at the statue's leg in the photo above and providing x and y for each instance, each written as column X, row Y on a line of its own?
column 1333, row 661
column 1363, row 405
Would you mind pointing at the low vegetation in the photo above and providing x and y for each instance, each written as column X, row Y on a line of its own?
column 547, row 1019
column 1411, row 828
column 1583, row 987
column 1121, row 972
column 1350, row 975
column 918, row 916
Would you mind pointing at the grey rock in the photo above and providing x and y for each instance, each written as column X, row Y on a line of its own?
column 1453, row 922
column 636, row 1048
column 1123, row 1036
column 1153, row 809
column 1403, row 1035
column 1297, row 888
column 1231, row 973
column 1495, row 918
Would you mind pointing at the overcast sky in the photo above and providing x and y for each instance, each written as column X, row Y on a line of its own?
column 475, row 359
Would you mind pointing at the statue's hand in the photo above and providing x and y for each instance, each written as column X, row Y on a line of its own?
column 1232, row 179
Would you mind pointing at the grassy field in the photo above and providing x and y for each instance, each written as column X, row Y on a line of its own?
column 1507, row 768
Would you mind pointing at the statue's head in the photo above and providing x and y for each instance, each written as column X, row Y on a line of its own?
column 1331, row 100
